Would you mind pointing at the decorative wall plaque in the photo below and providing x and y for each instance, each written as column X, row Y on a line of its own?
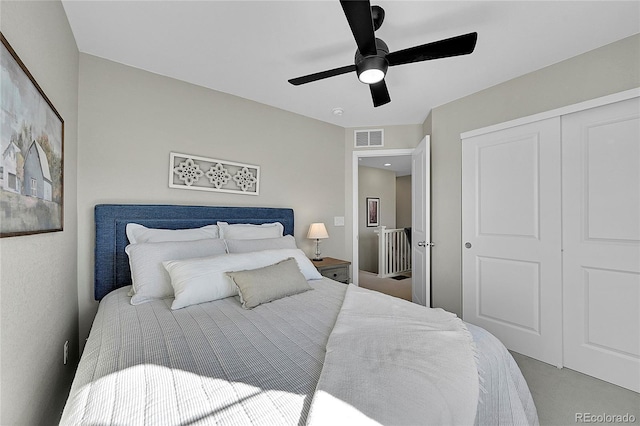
column 208, row 174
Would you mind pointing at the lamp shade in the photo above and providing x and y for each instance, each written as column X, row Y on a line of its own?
column 317, row 231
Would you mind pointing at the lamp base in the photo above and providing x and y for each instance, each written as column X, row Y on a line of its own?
column 317, row 259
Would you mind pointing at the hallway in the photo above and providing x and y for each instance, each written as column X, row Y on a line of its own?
column 397, row 288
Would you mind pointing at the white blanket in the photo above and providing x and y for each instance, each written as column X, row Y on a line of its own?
column 393, row 362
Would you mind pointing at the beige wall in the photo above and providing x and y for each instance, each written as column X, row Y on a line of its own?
column 403, row 201
column 130, row 120
column 38, row 282
column 427, row 124
column 376, row 183
column 609, row 69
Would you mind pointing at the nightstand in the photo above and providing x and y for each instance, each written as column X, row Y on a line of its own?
column 335, row 269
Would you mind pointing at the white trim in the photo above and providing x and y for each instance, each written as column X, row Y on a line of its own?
column 569, row 109
column 354, row 198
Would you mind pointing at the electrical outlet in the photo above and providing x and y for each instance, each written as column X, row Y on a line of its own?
column 65, row 352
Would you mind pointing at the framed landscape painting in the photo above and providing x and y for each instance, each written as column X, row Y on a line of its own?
column 31, row 152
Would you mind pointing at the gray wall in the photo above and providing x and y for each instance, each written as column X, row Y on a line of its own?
column 376, row 183
column 130, row 120
column 38, row 282
column 609, row 69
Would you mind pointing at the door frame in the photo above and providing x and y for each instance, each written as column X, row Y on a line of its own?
column 355, row 264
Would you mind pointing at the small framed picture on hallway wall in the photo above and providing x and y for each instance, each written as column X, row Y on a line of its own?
column 373, row 211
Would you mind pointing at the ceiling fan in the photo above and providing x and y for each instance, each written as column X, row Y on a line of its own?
column 373, row 58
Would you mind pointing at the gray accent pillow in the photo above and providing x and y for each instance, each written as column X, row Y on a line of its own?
column 262, row 285
column 246, row 246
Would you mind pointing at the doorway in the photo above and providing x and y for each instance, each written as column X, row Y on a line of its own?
column 381, row 168
column 420, row 235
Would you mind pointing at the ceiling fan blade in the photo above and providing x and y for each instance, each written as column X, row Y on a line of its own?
column 379, row 93
column 455, row 46
column 358, row 15
column 322, row 75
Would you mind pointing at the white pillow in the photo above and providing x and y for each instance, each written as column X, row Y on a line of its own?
column 141, row 234
column 150, row 279
column 203, row 280
column 245, row 246
column 245, row 231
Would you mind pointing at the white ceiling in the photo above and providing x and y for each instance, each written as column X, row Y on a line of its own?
column 251, row 48
column 399, row 164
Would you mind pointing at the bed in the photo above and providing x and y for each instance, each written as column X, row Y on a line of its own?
column 327, row 354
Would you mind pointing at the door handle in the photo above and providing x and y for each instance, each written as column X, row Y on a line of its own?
column 424, row 244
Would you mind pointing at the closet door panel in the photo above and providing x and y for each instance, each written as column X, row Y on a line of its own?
column 512, row 235
column 601, row 241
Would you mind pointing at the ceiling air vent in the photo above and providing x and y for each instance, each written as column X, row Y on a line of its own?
column 369, row 138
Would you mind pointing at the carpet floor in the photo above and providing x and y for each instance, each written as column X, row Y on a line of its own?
column 393, row 287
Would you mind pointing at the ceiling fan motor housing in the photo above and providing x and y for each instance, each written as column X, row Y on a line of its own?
column 373, row 62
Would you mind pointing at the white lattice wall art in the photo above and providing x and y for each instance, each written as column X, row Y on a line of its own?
column 208, row 174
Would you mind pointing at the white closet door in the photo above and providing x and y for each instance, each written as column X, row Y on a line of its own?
column 601, row 237
column 511, row 230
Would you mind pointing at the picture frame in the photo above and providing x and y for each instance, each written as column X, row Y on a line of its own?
column 373, row 211
column 31, row 152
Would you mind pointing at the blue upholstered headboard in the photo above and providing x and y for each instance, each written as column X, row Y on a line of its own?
column 111, row 262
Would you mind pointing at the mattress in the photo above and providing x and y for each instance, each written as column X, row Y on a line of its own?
column 217, row 363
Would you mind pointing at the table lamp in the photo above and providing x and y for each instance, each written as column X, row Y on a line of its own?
column 317, row 231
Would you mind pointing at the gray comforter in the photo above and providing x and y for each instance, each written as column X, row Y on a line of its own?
column 216, row 363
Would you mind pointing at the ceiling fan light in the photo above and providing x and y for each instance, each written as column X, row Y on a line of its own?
column 371, row 69
column 371, row 76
